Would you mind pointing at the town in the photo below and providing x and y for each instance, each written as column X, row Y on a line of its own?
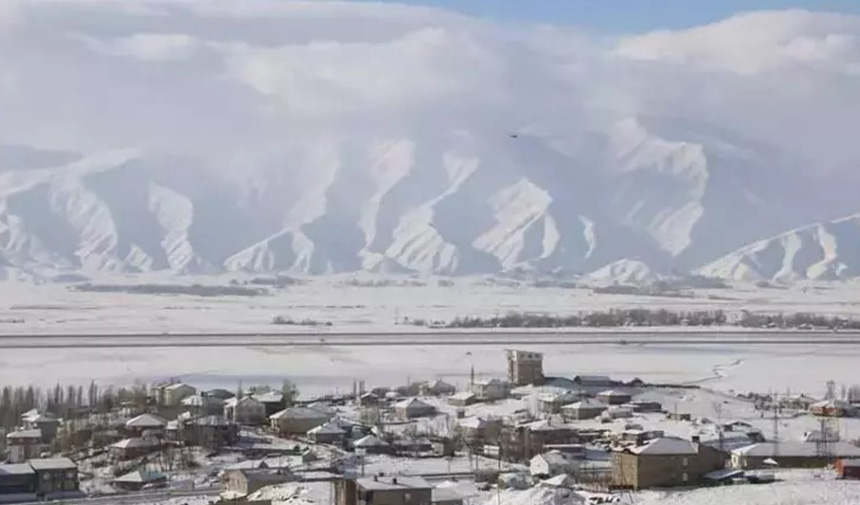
column 527, row 438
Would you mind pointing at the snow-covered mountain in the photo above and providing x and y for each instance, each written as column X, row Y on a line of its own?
column 625, row 271
column 823, row 251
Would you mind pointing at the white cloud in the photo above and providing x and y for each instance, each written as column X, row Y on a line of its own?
column 149, row 46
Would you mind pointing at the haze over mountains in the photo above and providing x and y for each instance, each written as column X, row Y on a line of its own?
column 201, row 137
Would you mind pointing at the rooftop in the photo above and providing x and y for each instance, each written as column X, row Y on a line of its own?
column 299, row 413
column 666, row 446
column 20, row 469
column 392, row 483
column 53, row 464
column 24, row 434
column 412, row 403
column 146, row 421
column 799, row 449
column 141, row 476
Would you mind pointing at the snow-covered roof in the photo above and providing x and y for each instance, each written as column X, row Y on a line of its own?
column 299, row 413
column 141, row 477
column 52, row 464
column 666, row 446
column 413, row 403
column 370, row 441
column 553, row 459
column 444, row 494
column 392, row 483
column 613, row 392
column 202, row 400
column 474, row 423
column 44, row 418
column 270, row 397
column 326, row 429
column 24, row 434
column 584, row 404
column 439, row 384
column 798, row 449
column 463, row 395
column 18, row 469
column 831, row 404
column 146, row 421
column 562, row 480
column 132, row 443
column 176, row 386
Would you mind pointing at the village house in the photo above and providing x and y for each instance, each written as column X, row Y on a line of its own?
column 479, row 429
column 438, row 387
column 203, row 405
column 211, row 432
column 522, row 442
column 445, row 496
column 327, row 433
column 582, row 410
column 551, row 463
column 45, row 423
column 551, row 403
column 614, row 397
column 664, row 462
column 18, row 479
column 383, row 491
column 242, row 482
column 55, row 475
column 371, row 444
column 297, row 420
column 273, row 401
column 138, row 479
column 792, row 454
column 23, row 445
column 245, row 410
column 145, row 424
column 798, row 402
column 368, row 400
column 413, row 408
column 172, row 394
column 490, row 390
column 131, row 448
column 463, row 399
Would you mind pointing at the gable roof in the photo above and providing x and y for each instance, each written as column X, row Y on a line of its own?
column 666, row 446
column 553, row 459
column 202, row 400
column 146, row 421
column 561, row 480
column 132, row 443
column 370, row 441
column 327, row 429
column 52, row 464
column 177, row 385
column 463, row 395
column 269, row 397
column 413, row 403
column 299, row 413
column 141, row 477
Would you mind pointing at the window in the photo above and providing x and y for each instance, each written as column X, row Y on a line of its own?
column 684, row 462
column 684, row 477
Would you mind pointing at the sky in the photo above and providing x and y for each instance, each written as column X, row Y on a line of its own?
column 624, row 16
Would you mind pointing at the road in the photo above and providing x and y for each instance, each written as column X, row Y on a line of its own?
column 431, row 338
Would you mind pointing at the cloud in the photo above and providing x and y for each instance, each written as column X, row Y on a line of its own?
column 216, row 78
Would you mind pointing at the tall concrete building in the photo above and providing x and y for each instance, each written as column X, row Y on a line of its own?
column 525, row 367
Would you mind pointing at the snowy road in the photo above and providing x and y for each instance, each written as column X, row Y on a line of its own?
column 433, row 338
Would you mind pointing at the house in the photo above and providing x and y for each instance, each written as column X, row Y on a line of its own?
column 131, row 448
column 297, row 420
column 525, row 367
column 17, row 479
column 368, row 400
column 481, row 429
column 643, row 407
column 145, row 423
column 490, row 391
column 848, row 468
column 242, row 482
column 438, row 387
column 551, row 403
column 371, row 444
column 55, row 475
column 614, row 397
column 584, row 409
column 273, row 401
column 793, row 454
column 172, row 394
column 23, row 445
column 413, row 408
column 798, row 402
column 210, row 432
column 832, row 408
column 664, row 462
column 463, row 399
column 246, row 410
column 138, row 479
column 203, row 405
column 522, row 442
column 384, row 491
column 327, row 433
column 45, row 423
column 550, row 464
column 617, row 412
column 445, row 496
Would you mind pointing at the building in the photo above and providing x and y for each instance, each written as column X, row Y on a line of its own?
column 297, row 420
column 522, row 442
column 582, row 410
column 17, row 479
column 23, row 445
column 371, row 444
column 145, row 423
column 438, row 387
column 525, row 367
column 55, row 475
column 551, row 403
column 490, row 391
column 551, row 463
column 203, row 405
column 131, row 448
column 848, row 468
column 327, row 433
column 45, row 423
column 413, row 408
column 445, row 496
column 384, row 491
column 138, row 479
column 642, row 406
column 171, row 395
column 368, row 400
column 832, row 408
column 246, row 410
column 242, row 482
column 273, row 401
column 463, row 399
column 793, row 454
column 210, row 432
column 664, row 462
column 614, row 397
column 481, row 430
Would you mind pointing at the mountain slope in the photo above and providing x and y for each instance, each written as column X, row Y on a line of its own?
column 824, row 251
